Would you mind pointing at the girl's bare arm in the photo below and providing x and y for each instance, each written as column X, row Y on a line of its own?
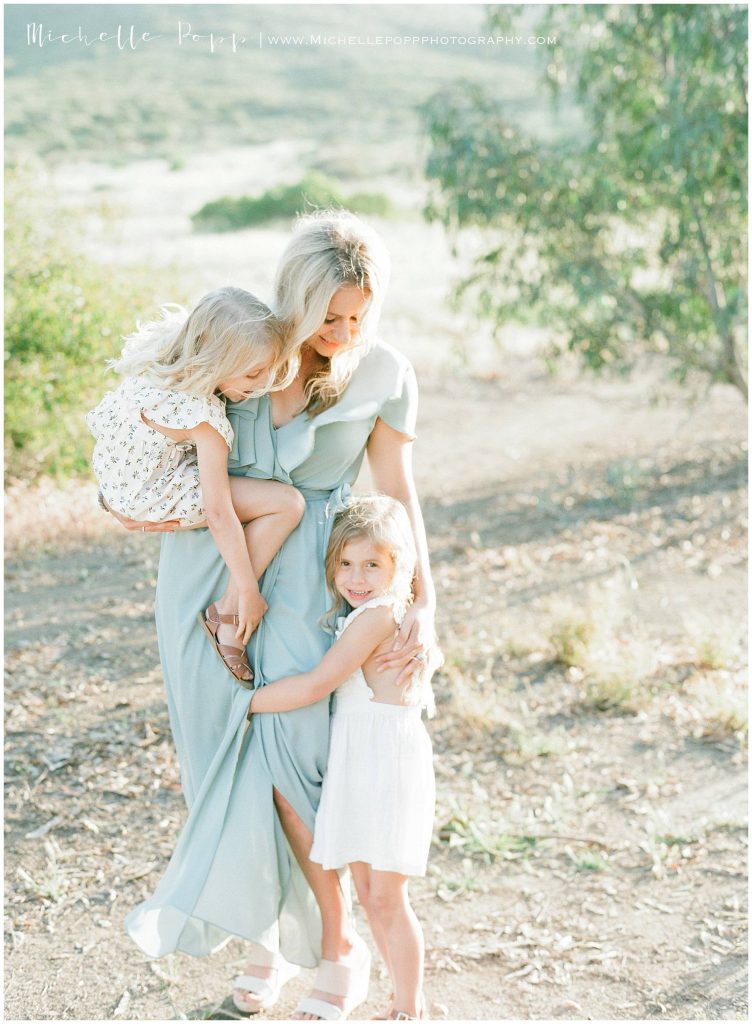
column 225, row 526
column 354, row 647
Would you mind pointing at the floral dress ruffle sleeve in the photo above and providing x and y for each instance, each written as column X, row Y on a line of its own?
column 142, row 473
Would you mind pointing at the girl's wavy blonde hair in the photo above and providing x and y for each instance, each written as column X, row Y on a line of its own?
column 384, row 522
column 328, row 250
column 228, row 333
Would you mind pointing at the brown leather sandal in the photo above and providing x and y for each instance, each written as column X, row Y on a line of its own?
column 235, row 659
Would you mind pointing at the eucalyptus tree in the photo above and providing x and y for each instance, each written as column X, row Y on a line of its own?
column 628, row 235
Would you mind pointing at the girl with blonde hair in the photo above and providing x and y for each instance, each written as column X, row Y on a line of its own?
column 163, row 438
column 241, row 866
column 377, row 800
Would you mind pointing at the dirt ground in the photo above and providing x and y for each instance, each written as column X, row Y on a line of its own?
column 590, row 847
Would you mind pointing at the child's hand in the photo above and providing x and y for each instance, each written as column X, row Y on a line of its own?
column 251, row 608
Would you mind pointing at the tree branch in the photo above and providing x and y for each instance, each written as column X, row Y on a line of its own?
column 731, row 361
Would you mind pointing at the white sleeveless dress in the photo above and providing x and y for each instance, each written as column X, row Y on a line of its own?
column 378, row 796
column 142, row 473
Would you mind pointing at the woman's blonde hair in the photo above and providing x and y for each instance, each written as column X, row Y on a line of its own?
column 384, row 522
column 228, row 333
column 329, row 250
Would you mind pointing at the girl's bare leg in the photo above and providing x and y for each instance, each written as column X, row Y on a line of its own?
column 361, row 874
column 271, row 511
column 389, row 905
column 338, row 935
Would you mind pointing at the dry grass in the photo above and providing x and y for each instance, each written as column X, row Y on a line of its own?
column 609, row 656
column 473, row 703
column 719, row 703
column 717, row 648
column 49, row 515
column 615, row 691
column 568, row 852
column 571, row 636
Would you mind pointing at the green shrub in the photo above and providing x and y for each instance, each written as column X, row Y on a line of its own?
column 375, row 204
column 64, row 315
column 316, row 191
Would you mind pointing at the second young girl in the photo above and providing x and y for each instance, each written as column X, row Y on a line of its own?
column 377, row 801
column 163, row 440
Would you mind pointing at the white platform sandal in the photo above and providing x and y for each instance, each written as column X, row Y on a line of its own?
column 262, row 993
column 347, row 978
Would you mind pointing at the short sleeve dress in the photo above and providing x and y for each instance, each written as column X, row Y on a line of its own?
column 142, row 473
column 232, row 872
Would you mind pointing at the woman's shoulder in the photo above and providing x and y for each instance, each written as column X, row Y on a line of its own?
column 384, row 359
column 384, row 373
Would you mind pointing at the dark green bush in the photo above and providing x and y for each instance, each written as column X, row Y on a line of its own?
column 316, row 191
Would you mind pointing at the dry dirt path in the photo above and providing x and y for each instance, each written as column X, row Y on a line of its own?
column 589, row 857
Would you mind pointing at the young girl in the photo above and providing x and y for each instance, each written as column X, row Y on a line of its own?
column 163, row 441
column 377, row 802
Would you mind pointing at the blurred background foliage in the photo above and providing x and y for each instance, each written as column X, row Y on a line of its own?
column 608, row 209
column 64, row 314
column 630, row 237
column 353, row 112
column 314, row 191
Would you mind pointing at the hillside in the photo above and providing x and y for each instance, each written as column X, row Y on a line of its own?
column 289, row 76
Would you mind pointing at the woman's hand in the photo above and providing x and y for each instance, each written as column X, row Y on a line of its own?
column 169, row 526
column 416, row 637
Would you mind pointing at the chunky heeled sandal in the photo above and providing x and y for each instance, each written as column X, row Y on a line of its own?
column 262, row 993
column 235, row 659
column 347, row 978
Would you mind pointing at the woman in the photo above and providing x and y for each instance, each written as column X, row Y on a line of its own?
column 253, row 798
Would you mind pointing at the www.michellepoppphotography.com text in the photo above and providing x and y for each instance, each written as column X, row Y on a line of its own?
column 126, row 38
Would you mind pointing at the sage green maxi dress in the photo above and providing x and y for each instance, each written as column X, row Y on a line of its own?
column 232, row 872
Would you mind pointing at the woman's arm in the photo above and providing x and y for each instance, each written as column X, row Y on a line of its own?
column 390, row 461
column 225, row 526
column 354, row 647
column 140, row 526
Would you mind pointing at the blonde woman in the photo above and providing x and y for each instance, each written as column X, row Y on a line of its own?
column 253, row 797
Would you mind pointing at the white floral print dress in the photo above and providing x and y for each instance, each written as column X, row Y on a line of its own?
column 142, row 473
